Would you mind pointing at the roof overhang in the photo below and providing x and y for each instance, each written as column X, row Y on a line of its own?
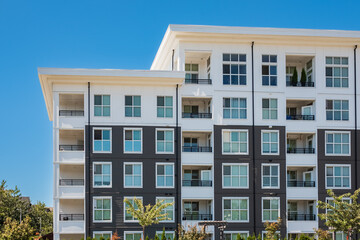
column 50, row 76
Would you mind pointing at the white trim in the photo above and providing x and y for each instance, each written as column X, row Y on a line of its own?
column 93, row 139
column 334, row 132
column 133, row 232
column 142, row 173
column 173, row 208
column 338, row 165
column 236, row 198
column 235, row 164
column 262, row 175
column 156, row 174
column 102, row 232
column 93, row 104
column 173, row 141
column 262, row 208
column 278, row 143
column 124, row 209
column 111, row 209
column 235, row 130
column 132, row 129
column 132, row 107
column 172, row 107
column 93, row 174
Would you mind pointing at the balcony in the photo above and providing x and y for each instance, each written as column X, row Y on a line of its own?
column 71, row 105
column 71, row 182
column 196, row 148
column 197, row 210
column 300, row 110
column 301, row 182
column 300, row 143
column 301, row 217
column 196, row 107
column 71, row 140
column 197, row 181
column 71, row 216
column 197, row 68
column 303, row 210
column 299, row 71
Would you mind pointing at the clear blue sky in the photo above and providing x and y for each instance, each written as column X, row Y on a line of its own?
column 108, row 34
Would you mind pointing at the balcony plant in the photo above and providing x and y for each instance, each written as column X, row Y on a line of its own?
column 294, row 79
column 303, row 77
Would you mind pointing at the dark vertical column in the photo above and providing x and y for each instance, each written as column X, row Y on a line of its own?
column 355, row 100
column 253, row 133
column 177, row 164
column 87, row 171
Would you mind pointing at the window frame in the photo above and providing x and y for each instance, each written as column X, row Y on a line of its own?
column 270, row 109
column 236, row 198
column 235, row 164
column 238, row 108
column 102, row 233
column 238, row 63
column 93, row 139
column 338, row 165
column 269, row 64
column 262, row 142
column 142, row 174
column 173, row 140
column 235, row 130
column 141, row 134
column 132, row 106
column 124, row 209
column 93, row 175
column 335, row 132
column 156, row 174
column 341, row 66
column 330, row 198
column 133, row 232
column 173, row 208
column 262, row 175
column 93, row 207
column 102, row 105
column 236, row 232
column 340, row 110
column 165, row 107
column 262, row 208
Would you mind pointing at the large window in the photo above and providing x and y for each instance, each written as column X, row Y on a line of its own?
column 337, row 72
column 102, row 208
column 102, row 174
column 338, row 176
column 133, row 140
column 164, row 107
column 269, row 70
column 102, row 140
column 235, row 175
column 270, row 142
column 270, row 108
column 191, row 72
column 132, row 106
column 102, row 105
column 337, row 143
column 236, row 209
column 337, row 110
column 233, row 235
column 234, row 108
column 132, row 235
column 235, row 142
column 127, row 216
column 164, row 175
column 170, row 210
column 102, row 235
column 132, row 175
column 332, row 203
column 164, row 141
column 234, row 69
column 270, row 209
column 270, row 176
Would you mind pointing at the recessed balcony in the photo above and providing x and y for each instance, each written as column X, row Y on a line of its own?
column 197, row 210
column 196, row 142
column 196, row 108
column 300, row 110
column 71, row 105
column 300, row 143
column 303, row 210
column 71, row 181
column 197, row 68
column 71, row 140
column 71, row 216
column 299, row 71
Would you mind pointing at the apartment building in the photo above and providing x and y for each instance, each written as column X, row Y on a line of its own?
column 220, row 125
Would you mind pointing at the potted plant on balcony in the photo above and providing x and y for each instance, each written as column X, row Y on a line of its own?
column 294, row 79
column 303, row 77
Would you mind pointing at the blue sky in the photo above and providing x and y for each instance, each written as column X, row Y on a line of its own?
column 108, row 34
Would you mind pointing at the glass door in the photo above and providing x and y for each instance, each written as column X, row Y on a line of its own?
column 206, row 178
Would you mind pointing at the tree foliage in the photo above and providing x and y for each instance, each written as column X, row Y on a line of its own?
column 192, row 233
column 303, row 77
column 12, row 229
column 322, row 234
column 271, row 229
column 294, row 79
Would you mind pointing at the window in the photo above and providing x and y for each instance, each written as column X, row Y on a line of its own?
column 269, row 108
column 337, row 143
column 340, row 236
column 235, row 142
column 102, row 140
column 102, row 174
column 331, row 202
column 270, row 209
column 337, row 176
column 234, row 69
column 164, row 175
column 102, row 105
column 132, row 235
column 191, row 72
column 270, row 175
column 132, row 106
column 133, row 140
column 337, row 72
column 102, row 209
column 128, row 217
column 169, row 235
column 337, row 110
column 133, row 175
column 233, row 235
column 269, row 70
column 234, row 108
column 168, row 210
column 236, row 209
column 289, row 75
column 235, row 175
column 164, row 141
column 105, row 235
column 270, row 142
column 164, row 107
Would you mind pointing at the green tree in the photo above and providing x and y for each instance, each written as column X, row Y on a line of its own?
column 192, row 233
column 13, row 229
column 156, row 237
column 303, row 77
column 147, row 215
column 342, row 216
column 163, row 237
column 42, row 218
column 272, row 229
column 322, row 234
column 294, row 78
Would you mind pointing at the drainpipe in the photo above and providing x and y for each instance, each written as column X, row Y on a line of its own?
column 87, row 174
column 355, row 99
column 172, row 60
column 253, row 132
column 177, row 162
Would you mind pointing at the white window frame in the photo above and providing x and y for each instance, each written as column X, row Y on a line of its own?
column 330, row 198
column 237, row 108
column 93, row 175
column 166, row 232
column 156, row 174
column 102, row 105
column 270, row 109
column 236, row 232
column 131, row 198
column 262, row 208
column 93, row 140
column 102, row 232
column 235, row 130
column 270, row 64
column 235, row 198
column 262, row 141
column 111, row 209
column 341, row 110
column 262, row 175
column 165, row 107
column 341, row 66
column 133, row 232
column 142, row 173
column 338, row 165
column 235, row 164
column 173, row 140
column 336, row 154
column 238, row 63
column 141, row 134
column 173, row 208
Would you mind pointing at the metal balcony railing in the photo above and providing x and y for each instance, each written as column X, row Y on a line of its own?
column 196, row 149
column 72, row 113
column 198, row 81
column 71, row 182
column 197, row 183
column 71, row 147
column 300, row 84
column 197, row 217
column 301, row 217
column 300, row 117
column 301, row 150
column 71, row 217
column 197, row 115
column 301, row 183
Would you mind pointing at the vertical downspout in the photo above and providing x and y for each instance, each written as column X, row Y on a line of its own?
column 253, row 131
column 87, row 173
column 355, row 92
column 172, row 60
column 177, row 165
